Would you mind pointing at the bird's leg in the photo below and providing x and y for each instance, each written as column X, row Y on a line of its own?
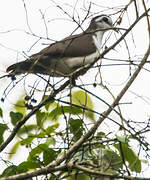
column 72, row 81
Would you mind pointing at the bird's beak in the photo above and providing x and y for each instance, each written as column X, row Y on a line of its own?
column 112, row 27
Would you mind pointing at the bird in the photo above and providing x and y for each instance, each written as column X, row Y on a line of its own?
column 64, row 57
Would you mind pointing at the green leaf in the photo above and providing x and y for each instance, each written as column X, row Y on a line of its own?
column 15, row 117
column 79, row 176
column 22, row 167
column 27, row 141
column 129, row 156
column 101, row 134
column 13, row 150
column 82, row 176
column 37, row 150
column 113, row 160
column 27, row 129
column 60, row 110
column 76, row 128
column 50, row 105
column 40, row 118
column 27, row 165
column 48, row 156
column 123, row 139
column 55, row 113
column 50, row 141
column 3, row 128
column 9, row 171
column 1, row 139
column 52, row 177
column 20, row 106
column 81, row 98
column 51, row 129
column 1, row 112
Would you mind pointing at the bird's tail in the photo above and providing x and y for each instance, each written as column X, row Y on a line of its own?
column 19, row 68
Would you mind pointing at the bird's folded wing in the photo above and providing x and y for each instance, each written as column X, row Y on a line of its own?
column 74, row 46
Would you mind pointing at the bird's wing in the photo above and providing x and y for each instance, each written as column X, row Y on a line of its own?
column 74, row 46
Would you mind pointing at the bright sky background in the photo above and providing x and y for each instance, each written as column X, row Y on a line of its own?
column 15, row 42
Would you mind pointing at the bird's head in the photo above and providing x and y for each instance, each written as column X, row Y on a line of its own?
column 101, row 22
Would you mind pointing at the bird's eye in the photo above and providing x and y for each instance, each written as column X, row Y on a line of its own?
column 105, row 19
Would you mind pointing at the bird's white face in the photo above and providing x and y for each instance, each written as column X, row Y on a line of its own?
column 103, row 22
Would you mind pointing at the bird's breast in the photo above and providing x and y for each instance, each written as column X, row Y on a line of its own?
column 80, row 61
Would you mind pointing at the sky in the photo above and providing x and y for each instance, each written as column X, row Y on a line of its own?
column 16, row 44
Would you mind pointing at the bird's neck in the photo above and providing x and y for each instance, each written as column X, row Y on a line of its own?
column 97, row 37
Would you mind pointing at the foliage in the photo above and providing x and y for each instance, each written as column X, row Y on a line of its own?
column 3, row 128
column 45, row 132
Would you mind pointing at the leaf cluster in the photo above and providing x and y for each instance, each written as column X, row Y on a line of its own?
column 46, row 141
